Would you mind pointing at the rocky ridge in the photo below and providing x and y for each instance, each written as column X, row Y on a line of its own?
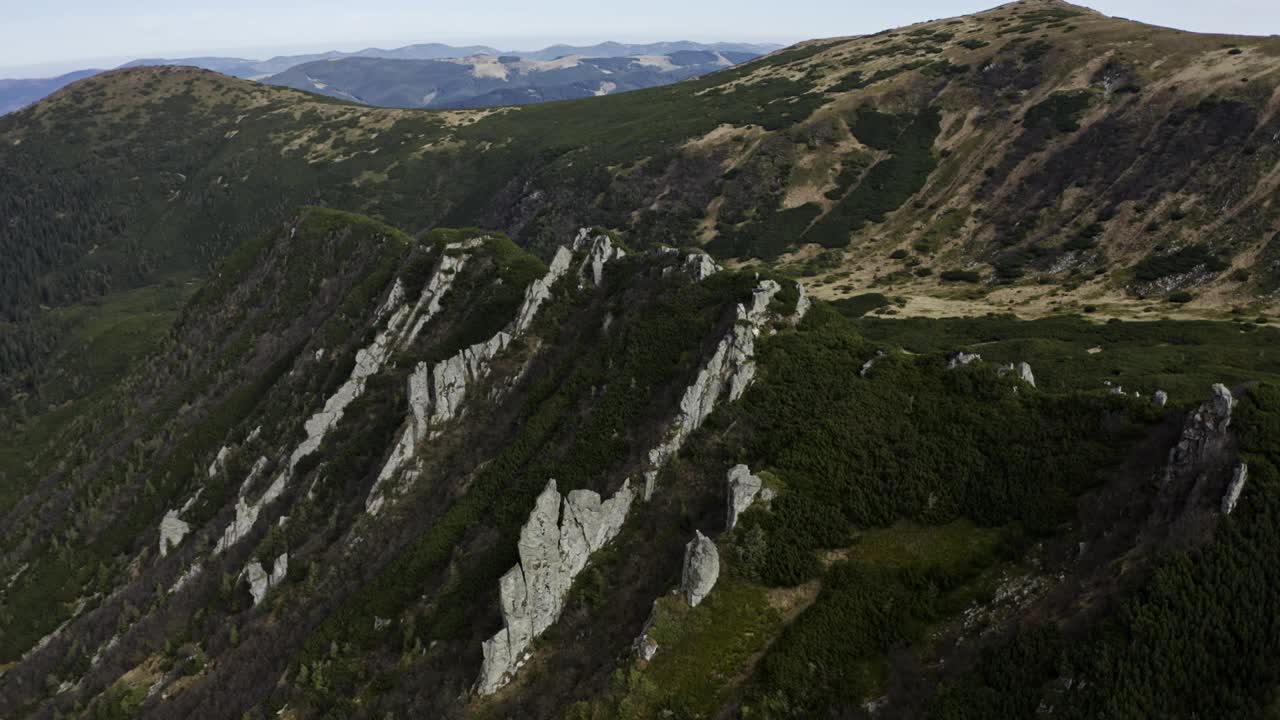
column 403, row 322
column 437, row 393
column 532, row 592
column 1204, row 435
column 729, row 371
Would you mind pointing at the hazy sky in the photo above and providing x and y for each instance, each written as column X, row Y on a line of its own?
column 58, row 35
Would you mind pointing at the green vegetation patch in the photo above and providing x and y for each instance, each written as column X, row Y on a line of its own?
column 1187, row 259
column 1195, row 641
column 978, row 450
column 859, row 305
column 889, row 183
column 951, row 546
column 1061, row 111
column 1182, row 358
column 961, row 276
column 700, row 652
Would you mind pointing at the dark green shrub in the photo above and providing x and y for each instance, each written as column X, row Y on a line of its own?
column 1163, row 264
column 965, row 276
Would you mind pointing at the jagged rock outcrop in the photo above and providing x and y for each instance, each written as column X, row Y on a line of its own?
column 758, row 311
column 246, row 511
column 555, row 545
column 172, row 531
column 600, row 250
column 539, row 291
column 1020, row 370
column 743, row 488
column 730, row 370
column 219, row 461
column 803, row 304
column 961, row 358
column 700, row 266
column 261, row 582
column 450, row 378
column 1232, row 496
column 701, row 569
column 370, row 359
column 1204, row 435
column 1160, row 399
column 437, row 393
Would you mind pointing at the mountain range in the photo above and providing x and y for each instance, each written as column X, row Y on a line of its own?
column 15, row 94
column 489, row 80
column 924, row 374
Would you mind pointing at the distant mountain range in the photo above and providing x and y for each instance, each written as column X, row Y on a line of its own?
column 15, row 94
column 494, row 80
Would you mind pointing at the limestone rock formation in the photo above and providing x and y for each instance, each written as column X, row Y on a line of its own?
column 803, row 304
column 451, row 262
column 743, row 488
column 1020, row 370
column 260, row 581
column 539, row 291
column 555, row 545
column 729, row 371
column 1160, row 399
column 700, row 266
column 219, row 461
column 172, row 531
column 760, row 299
column 1203, row 435
column 437, row 393
column 600, row 250
column 1238, row 477
column 370, row 359
column 961, row 358
column 701, row 569
column 247, row 514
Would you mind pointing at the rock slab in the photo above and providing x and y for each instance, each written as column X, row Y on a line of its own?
column 555, row 544
column 1238, row 477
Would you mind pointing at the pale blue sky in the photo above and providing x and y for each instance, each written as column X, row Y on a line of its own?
column 58, row 35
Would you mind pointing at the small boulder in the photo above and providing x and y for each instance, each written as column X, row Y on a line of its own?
column 961, row 359
column 701, row 569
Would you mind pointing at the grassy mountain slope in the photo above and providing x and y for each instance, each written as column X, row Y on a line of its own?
column 1057, row 157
